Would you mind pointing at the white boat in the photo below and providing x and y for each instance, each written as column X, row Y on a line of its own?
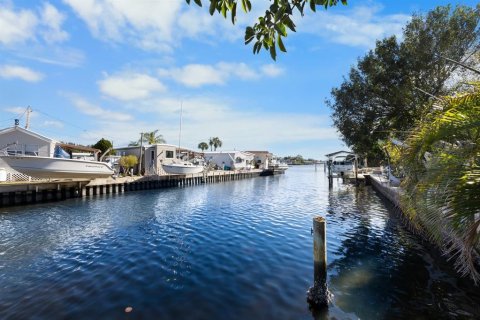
column 57, row 168
column 278, row 164
column 343, row 165
column 180, row 166
column 183, row 167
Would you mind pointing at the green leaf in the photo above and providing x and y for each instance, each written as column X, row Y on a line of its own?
column 198, row 2
column 256, row 47
column 273, row 52
column 234, row 12
column 312, row 5
column 280, row 27
column 249, row 35
column 224, row 10
column 289, row 23
column 249, row 5
column 280, row 44
column 244, row 6
column 213, row 6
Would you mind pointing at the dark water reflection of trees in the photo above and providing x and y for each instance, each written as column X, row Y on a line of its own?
column 383, row 271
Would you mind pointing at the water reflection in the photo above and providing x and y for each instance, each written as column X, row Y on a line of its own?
column 381, row 271
column 233, row 250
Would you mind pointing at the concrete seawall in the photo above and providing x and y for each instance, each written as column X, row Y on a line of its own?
column 381, row 184
column 12, row 194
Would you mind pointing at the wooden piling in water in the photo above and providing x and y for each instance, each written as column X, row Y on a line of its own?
column 318, row 296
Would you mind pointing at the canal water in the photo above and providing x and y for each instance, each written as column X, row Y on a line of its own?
column 232, row 250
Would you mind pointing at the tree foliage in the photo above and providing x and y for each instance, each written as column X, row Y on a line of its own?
column 128, row 162
column 148, row 138
column 203, row 146
column 216, row 142
column 104, row 145
column 269, row 29
column 385, row 93
column 441, row 159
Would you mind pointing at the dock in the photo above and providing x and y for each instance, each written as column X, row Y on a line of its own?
column 22, row 193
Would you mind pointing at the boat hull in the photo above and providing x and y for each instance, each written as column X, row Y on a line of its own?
column 56, row 168
column 176, row 168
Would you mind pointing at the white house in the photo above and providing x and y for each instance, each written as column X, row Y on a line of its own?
column 18, row 141
column 230, row 160
column 261, row 159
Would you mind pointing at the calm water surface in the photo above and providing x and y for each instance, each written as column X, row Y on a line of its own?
column 233, row 250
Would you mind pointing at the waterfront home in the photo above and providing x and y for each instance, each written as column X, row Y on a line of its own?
column 18, row 141
column 230, row 160
column 261, row 159
column 152, row 157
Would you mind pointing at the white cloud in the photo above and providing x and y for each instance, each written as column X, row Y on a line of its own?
column 130, row 86
column 147, row 24
column 197, row 75
column 158, row 25
column 53, row 124
column 16, row 26
column 53, row 20
column 271, row 70
column 99, row 113
column 362, row 26
column 19, row 72
column 204, row 117
column 21, row 26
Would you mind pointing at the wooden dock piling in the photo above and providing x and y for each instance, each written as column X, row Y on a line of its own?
column 318, row 295
column 44, row 191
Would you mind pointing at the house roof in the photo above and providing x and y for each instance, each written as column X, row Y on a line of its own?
column 230, row 152
column 31, row 133
column 338, row 152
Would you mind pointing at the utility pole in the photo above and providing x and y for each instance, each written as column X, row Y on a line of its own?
column 27, row 123
column 141, row 151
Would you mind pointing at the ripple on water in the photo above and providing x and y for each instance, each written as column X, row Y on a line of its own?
column 233, row 250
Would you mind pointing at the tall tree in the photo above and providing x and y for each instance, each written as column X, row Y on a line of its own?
column 148, row 138
column 104, row 145
column 217, row 143
column 210, row 142
column 389, row 88
column 203, row 146
column 272, row 26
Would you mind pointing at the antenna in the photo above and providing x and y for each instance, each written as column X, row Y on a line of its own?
column 27, row 123
column 180, row 132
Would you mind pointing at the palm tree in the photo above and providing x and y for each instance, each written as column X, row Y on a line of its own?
column 210, row 142
column 441, row 161
column 203, row 146
column 153, row 138
column 217, row 143
column 148, row 138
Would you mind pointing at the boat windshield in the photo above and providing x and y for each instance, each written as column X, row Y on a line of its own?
column 60, row 153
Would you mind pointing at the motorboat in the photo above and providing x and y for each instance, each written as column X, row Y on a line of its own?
column 57, row 167
column 183, row 167
column 277, row 164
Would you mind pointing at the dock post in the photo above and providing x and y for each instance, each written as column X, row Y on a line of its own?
column 318, row 296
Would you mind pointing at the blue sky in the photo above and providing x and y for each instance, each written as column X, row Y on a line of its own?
column 115, row 68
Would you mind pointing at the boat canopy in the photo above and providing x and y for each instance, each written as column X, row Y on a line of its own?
column 60, row 153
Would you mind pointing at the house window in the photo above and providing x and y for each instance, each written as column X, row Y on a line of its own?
column 31, row 149
column 152, row 156
column 15, row 150
column 238, row 160
column 169, row 154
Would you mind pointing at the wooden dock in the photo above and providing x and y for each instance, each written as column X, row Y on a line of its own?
column 22, row 193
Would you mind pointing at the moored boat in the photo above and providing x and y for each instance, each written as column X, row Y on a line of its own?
column 183, row 167
column 57, row 168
